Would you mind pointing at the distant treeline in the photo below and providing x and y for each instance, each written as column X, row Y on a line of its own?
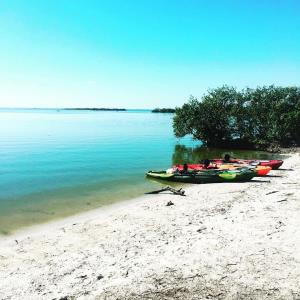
column 96, row 109
column 163, row 110
column 264, row 118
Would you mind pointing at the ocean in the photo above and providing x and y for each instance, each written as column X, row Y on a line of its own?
column 55, row 163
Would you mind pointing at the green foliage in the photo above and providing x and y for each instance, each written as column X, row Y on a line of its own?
column 252, row 118
column 163, row 110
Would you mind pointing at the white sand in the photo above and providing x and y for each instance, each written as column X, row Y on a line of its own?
column 222, row 241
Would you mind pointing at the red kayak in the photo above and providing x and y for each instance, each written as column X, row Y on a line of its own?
column 195, row 167
column 273, row 163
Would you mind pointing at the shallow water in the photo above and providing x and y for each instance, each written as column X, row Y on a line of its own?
column 54, row 163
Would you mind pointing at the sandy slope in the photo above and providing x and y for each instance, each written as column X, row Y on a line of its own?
column 222, row 241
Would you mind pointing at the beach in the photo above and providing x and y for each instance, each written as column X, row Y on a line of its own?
column 220, row 241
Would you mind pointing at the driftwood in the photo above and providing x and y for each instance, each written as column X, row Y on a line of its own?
column 179, row 192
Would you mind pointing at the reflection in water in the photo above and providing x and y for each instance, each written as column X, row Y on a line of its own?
column 183, row 154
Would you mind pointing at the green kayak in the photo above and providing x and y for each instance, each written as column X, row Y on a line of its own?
column 207, row 176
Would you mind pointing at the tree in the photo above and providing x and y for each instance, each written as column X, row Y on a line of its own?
column 252, row 118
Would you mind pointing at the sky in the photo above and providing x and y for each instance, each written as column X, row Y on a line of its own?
column 142, row 54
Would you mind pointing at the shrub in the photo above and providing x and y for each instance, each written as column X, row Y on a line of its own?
column 253, row 118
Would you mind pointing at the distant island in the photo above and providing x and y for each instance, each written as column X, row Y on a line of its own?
column 96, row 109
column 163, row 110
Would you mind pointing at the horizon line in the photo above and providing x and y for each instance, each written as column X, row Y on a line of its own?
column 74, row 108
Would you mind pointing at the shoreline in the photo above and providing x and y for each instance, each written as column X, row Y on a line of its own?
column 102, row 210
column 41, row 228
column 68, row 217
column 221, row 241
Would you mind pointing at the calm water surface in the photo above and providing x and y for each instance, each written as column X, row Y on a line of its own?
column 57, row 163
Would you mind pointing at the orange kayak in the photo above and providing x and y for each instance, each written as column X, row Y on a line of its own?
column 260, row 170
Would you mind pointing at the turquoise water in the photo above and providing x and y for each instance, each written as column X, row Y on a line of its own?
column 56, row 163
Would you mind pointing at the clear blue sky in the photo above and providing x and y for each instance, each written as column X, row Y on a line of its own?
column 142, row 54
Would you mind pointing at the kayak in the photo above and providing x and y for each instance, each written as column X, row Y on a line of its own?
column 209, row 176
column 196, row 167
column 260, row 170
column 273, row 163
